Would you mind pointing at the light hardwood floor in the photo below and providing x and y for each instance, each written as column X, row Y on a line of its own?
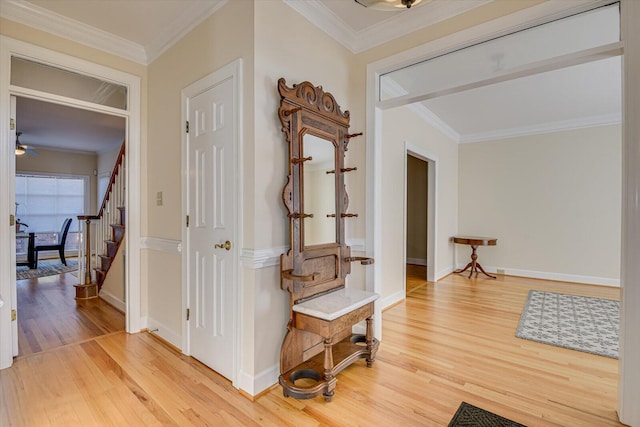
column 49, row 316
column 449, row 342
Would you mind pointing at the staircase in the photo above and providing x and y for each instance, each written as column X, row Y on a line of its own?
column 111, row 246
column 106, row 230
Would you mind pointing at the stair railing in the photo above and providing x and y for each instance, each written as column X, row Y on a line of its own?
column 95, row 229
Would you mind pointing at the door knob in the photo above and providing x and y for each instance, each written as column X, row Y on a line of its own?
column 226, row 245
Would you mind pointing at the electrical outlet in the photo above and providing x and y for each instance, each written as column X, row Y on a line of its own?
column 159, row 198
column 500, row 270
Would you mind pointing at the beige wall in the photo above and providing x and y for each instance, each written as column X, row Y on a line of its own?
column 220, row 39
column 400, row 126
column 282, row 49
column 273, row 41
column 39, row 38
column 417, row 192
column 63, row 162
column 552, row 200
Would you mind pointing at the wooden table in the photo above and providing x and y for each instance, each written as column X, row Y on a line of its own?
column 31, row 259
column 474, row 242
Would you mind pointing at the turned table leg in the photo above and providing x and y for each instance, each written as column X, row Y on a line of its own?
column 328, row 369
column 369, row 341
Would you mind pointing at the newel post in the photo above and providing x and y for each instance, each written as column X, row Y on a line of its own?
column 87, row 289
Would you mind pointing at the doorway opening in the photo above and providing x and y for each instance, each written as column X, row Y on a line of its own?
column 420, row 224
column 55, row 60
column 56, row 178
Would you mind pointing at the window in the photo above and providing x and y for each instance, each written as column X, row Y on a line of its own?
column 43, row 202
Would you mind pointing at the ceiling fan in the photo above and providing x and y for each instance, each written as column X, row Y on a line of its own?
column 22, row 149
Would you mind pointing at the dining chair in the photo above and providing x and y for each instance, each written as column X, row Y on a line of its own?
column 62, row 238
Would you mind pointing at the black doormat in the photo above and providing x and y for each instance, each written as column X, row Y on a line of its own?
column 468, row 415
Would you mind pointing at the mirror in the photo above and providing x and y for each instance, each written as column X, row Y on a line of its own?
column 319, row 191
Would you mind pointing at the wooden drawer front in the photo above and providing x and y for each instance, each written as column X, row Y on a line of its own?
column 328, row 329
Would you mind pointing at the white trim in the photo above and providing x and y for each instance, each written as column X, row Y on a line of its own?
column 113, row 300
column 356, row 244
column 270, row 257
column 262, row 258
column 545, row 275
column 167, row 334
column 45, row 20
column 392, row 87
column 444, row 272
column 432, row 206
column 255, row 385
column 526, row 18
column 563, row 61
column 536, row 15
column 232, row 70
column 169, row 246
column 628, row 367
column 398, row 25
column 549, row 127
column 392, row 299
column 181, row 26
column 62, row 26
column 417, row 261
column 9, row 47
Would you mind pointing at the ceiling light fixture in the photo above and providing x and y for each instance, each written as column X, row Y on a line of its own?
column 388, row 5
column 20, row 149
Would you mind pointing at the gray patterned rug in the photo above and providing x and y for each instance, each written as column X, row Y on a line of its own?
column 468, row 415
column 46, row 268
column 571, row 321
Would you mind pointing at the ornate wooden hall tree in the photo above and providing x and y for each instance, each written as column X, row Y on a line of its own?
column 319, row 342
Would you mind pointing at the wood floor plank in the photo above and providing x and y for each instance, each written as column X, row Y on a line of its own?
column 449, row 342
column 49, row 316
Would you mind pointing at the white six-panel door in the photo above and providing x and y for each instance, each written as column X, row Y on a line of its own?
column 211, row 224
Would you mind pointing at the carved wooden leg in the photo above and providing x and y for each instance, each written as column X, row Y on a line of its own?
column 474, row 264
column 328, row 369
column 369, row 340
column 484, row 272
column 462, row 270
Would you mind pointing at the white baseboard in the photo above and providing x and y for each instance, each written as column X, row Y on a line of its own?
column 262, row 381
column 560, row 277
column 444, row 272
column 167, row 334
column 113, row 300
column 417, row 261
column 392, row 299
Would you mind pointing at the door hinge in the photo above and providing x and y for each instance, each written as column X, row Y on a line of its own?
column 12, row 219
column 188, row 313
column 14, row 315
column 187, row 221
column 12, row 124
column 187, row 127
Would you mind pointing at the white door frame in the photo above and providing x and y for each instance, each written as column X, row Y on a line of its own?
column 629, row 386
column 10, row 47
column 432, row 201
column 232, row 71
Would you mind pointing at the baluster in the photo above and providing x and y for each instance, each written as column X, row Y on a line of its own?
column 81, row 249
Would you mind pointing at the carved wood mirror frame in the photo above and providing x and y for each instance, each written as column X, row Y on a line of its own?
column 307, row 271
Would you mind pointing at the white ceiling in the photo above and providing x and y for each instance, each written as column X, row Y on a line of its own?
column 141, row 30
column 66, row 128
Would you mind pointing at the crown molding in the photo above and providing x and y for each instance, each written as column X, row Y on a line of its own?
column 549, row 127
column 43, row 19
column 181, row 26
column 395, row 90
column 323, row 18
column 396, row 26
column 56, row 24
